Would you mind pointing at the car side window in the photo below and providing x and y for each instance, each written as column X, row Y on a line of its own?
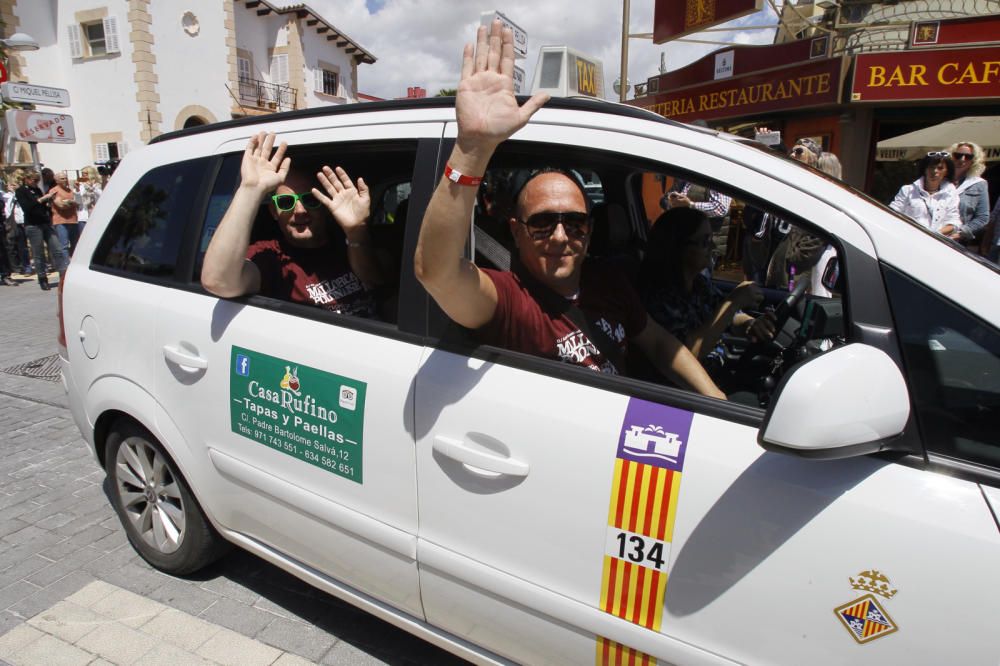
column 387, row 170
column 642, row 248
column 953, row 370
column 144, row 236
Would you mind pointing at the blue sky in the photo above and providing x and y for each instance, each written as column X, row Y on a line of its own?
column 419, row 42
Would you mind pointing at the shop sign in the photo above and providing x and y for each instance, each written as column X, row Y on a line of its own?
column 972, row 30
column 724, row 64
column 40, row 127
column 676, row 18
column 927, row 75
column 815, row 83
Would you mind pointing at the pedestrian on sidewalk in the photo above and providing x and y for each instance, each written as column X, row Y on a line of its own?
column 17, row 241
column 38, row 226
column 64, row 213
column 88, row 191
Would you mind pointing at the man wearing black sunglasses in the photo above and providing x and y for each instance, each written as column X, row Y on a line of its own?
column 549, row 305
column 306, row 263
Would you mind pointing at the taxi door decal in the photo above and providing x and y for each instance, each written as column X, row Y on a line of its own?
column 643, row 505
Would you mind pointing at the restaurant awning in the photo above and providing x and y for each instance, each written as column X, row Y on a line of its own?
column 982, row 130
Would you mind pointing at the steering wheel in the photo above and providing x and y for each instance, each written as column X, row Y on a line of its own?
column 771, row 348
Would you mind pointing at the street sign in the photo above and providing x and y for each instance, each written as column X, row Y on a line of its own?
column 518, row 80
column 29, row 93
column 40, row 127
column 520, row 36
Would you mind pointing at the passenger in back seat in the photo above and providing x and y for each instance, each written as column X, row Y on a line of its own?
column 306, row 263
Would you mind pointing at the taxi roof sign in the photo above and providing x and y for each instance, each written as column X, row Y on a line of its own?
column 565, row 72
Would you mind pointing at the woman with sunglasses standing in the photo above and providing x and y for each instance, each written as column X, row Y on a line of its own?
column 973, row 191
column 680, row 296
column 931, row 200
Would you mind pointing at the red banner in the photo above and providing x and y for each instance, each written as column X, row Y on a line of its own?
column 973, row 30
column 809, row 84
column 676, row 18
column 927, row 75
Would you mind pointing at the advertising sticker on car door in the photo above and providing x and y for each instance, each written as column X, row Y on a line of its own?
column 317, row 417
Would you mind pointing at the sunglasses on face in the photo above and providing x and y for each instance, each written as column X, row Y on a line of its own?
column 798, row 151
column 286, row 202
column 938, row 153
column 542, row 225
column 961, row 156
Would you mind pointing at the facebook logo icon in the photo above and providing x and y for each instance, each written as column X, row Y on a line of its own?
column 242, row 365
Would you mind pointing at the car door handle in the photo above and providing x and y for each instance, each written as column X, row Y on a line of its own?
column 489, row 462
column 175, row 355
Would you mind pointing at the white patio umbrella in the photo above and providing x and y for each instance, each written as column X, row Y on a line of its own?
column 983, row 130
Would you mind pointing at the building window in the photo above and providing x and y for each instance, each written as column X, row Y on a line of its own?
column 243, row 67
column 326, row 79
column 109, row 152
column 329, row 82
column 279, row 69
column 94, row 33
column 94, row 38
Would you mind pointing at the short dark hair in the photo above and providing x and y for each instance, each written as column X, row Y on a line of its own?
column 521, row 180
column 662, row 263
column 931, row 160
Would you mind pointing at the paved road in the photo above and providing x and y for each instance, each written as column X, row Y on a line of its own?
column 71, row 588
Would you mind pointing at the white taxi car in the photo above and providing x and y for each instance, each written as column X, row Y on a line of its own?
column 840, row 508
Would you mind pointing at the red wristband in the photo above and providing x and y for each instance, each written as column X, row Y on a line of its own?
column 459, row 178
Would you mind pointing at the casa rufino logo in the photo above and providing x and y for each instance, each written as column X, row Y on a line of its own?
column 314, row 416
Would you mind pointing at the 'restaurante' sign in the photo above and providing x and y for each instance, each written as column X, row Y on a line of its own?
column 757, row 79
column 927, row 75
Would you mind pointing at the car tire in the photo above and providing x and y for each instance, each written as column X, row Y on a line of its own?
column 163, row 521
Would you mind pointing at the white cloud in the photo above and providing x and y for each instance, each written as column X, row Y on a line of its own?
column 419, row 42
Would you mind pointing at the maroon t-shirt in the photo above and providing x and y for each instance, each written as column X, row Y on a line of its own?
column 523, row 324
column 317, row 276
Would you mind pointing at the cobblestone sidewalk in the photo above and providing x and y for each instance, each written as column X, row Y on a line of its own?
column 72, row 588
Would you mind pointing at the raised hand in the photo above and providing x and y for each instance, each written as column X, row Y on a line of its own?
column 350, row 206
column 260, row 169
column 485, row 105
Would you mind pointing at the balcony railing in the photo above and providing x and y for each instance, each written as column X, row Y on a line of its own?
column 267, row 95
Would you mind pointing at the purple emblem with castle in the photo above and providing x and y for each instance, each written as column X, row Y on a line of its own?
column 654, row 434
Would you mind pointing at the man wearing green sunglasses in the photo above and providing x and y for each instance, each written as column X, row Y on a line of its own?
column 311, row 261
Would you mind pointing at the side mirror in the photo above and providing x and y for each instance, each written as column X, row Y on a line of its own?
column 850, row 401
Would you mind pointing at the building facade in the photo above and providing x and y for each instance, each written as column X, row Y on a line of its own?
column 135, row 69
column 850, row 74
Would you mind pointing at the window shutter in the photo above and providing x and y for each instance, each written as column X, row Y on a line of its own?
column 243, row 65
column 75, row 47
column 103, row 155
column 111, row 35
column 318, row 79
column 122, row 149
column 279, row 69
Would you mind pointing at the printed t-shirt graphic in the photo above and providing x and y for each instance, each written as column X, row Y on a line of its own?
column 317, row 276
column 644, row 491
column 523, row 324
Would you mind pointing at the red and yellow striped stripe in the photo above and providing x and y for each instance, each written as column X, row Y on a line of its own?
column 644, row 501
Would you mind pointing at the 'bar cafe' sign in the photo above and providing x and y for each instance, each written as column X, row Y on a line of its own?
column 927, row 75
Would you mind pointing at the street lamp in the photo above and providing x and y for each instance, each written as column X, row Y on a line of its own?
column 617, row 85
column 20, row 41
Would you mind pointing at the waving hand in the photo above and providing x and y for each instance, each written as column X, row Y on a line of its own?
column 485, row 105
